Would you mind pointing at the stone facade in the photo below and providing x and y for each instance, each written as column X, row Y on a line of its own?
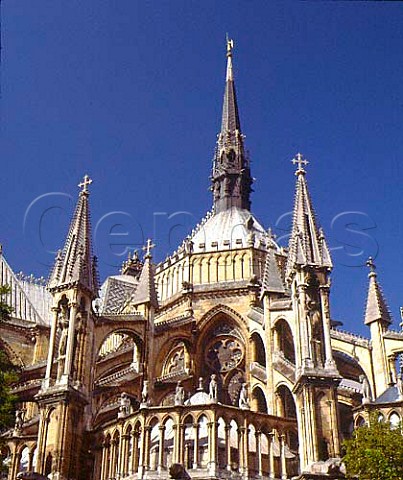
column 220, row 362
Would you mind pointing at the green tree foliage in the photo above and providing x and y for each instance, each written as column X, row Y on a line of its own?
column 5, row 309
column 8, row 371
column 375, row 452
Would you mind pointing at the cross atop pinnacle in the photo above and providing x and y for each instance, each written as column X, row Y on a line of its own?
column 371, row 265
column 148, row 247
column 230, row 46
column 301, row 162
column 84, row 184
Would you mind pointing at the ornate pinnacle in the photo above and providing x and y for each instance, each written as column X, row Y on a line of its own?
column 84, row 184
column 301, row 162
column 230, row 47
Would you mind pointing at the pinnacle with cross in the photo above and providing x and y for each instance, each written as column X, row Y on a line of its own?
column 301, row 162
column 230, row 46
column 84, row 184
column 148, row 247
column 370, row 263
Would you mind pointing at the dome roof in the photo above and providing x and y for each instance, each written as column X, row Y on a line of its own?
column 229, row 229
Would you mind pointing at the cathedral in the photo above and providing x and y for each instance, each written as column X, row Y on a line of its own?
column 220, row 362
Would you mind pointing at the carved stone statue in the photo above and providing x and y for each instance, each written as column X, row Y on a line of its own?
column 188, row 245
column 19, row 420
column 366, row 390
column 213, row 388
column 63, row 338
column 399, row 385
column 179, row 394
column 314, row 320
column 145, row 400
column 243, row 398
column 125, row 404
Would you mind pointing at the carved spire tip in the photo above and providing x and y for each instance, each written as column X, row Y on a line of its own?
column 301, row 161
column 372, row 267
column 85, row 183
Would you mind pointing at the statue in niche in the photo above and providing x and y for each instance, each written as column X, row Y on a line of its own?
column 314, row 321
column 63, row 339
column 243, row 398
column 213, row 388
column 64, row 330
column 366, row 390
column 179, row 394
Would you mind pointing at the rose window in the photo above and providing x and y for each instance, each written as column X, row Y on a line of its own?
column 224, row 354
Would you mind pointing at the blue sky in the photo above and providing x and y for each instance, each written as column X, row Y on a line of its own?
column 130, row 92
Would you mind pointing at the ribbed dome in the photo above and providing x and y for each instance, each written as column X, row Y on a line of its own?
column 229, row 229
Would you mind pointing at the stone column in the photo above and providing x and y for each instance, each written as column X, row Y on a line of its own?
column 70, row 341
column 212, row 446
column 161, row 448
column 103, row 460
column 246, row 450
column 15, row 457
column 112, row 460
column 228, row 446
column 272, row 436
column 181, row 435
column 306, row 360
column 241, row 451
column 30, row 458
column 55, row 312
column 124, row 451
column 146, row 454
column 283, row 458
column 324, row 300
column 142, row 453
column 175, row 453
column 135, row 452
column 195, row 445
column 258, row 435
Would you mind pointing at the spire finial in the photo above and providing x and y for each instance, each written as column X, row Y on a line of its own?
column 148, row 247
column 372, row 267
column 230, row 47
column 84, row 184
column 301, row 162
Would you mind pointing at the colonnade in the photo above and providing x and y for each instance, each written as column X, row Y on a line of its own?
column 199, row 440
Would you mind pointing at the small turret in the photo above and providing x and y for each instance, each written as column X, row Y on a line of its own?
column 377, row 309
column 378, row 318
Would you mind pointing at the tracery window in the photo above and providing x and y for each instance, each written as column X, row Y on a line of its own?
column 175, row 363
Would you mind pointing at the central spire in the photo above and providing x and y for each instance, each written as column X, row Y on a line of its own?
column 231, row 178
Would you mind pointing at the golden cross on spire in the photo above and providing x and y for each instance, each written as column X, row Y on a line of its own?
column 230, row 46
column 148, row 247
column 300, row 161
column 84, row 184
